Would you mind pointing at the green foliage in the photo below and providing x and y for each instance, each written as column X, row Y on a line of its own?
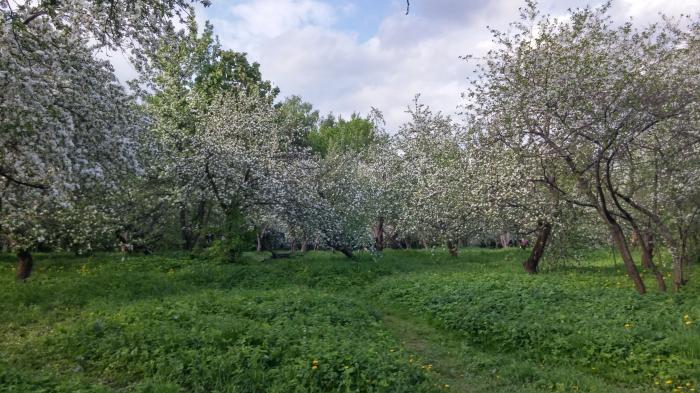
column 298, row 115
column 235, row 237
column 341, row 136
column 173, row 323
column 585, row 317
column 153, row 324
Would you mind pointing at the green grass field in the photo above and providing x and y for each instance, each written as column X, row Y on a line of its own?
column 408, row 321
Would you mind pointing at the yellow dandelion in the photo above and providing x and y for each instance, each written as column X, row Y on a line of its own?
column 669, row 381
column 628, row 326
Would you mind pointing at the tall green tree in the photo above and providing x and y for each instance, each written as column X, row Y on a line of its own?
column 180, row 82
column 340, row 136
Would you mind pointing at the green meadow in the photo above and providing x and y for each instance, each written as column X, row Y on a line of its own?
column 406, row 321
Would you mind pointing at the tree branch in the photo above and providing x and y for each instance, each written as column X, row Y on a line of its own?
column 21, row 182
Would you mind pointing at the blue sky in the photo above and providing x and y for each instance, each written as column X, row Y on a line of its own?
column 347, row 56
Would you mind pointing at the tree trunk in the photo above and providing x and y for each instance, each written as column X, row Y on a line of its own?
column 660, row 282
column 259, row 238
column 304, row 246
column 185, row 230
column 679, row 261
column 379, row 234
column 615, row 229
column 619, row 241
column 505, row 239
column 543, row 231
column 24, row 266
column 292, row 246
column 452, row 248
column 532, row 262
column 646, row 241
column 347, row 251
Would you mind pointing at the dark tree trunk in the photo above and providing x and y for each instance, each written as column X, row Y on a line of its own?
column 185, row 230
column 379, row 234
column 621, row 245
column 660, row 282
column 260, row 237
column 24, row 265
column 347, row 251
column 202, row 236
column 452, row 248
column 293, row 246
column 532, row 262
column 599, row 200
column 190, row 236
column 646, row 241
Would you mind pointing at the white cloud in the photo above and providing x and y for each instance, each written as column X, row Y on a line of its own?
column 272, row 18
column 302, row 49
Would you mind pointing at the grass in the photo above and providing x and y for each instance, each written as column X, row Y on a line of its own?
column 408, row 321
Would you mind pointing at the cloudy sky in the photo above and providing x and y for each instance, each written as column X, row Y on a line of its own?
column 346, row 56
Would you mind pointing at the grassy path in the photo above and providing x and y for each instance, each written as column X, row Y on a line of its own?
column 434, row 347
column 460, row 367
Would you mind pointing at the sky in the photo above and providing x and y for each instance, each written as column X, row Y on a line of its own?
column 349, row 56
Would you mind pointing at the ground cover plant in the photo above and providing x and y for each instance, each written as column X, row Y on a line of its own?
column 406, row 321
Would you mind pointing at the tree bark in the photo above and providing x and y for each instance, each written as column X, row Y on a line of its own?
column 532, row 262
column 293, row 246
column 304, row 246
column 379, row 234
column 621, row 245
column 258, row 237
column 452, row 248
column 505, row 239
column 646, row 242
column 599, row 200
column 24, row 265
column 184, row 228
